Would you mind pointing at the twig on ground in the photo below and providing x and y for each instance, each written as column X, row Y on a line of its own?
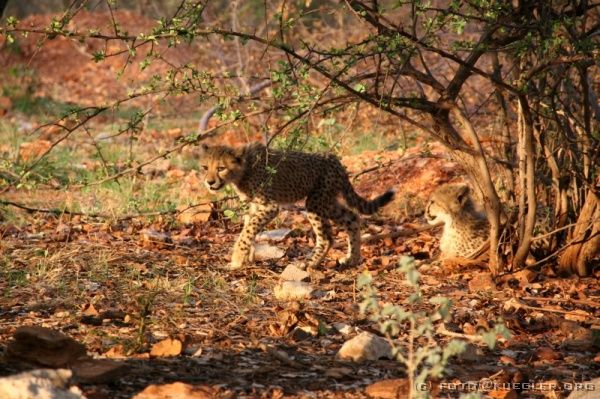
column 59, row 211
column 402, row 232
column 444, row 331
column 593, row 304
column 517, row 303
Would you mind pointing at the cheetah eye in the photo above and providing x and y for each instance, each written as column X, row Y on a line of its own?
column 204, row 167
column 221, row 168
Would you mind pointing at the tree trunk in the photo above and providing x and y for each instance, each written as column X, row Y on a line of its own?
column 3, row 4
column 506, row 150
column 527, row 183
column 585, row 239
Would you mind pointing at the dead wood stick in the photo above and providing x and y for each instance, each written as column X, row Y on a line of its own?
column 59, row 211
column 371, row 238
column 444, row 331
column 518, row 304
column 563, row 300
column 407, row 232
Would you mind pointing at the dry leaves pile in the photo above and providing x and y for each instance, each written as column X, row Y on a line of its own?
column 149, row 304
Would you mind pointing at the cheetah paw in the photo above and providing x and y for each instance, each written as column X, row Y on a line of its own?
column 348, row 262
column 237, row 261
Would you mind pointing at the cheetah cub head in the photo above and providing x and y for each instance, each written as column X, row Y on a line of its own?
column 448, row 202
column 221, row 165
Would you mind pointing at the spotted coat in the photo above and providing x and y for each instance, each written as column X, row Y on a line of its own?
column 267, row 178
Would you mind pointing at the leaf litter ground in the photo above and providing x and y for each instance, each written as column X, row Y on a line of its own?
column 117, row 291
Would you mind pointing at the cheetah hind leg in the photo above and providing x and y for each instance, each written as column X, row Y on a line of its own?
column 343, row 216
column 323, row 241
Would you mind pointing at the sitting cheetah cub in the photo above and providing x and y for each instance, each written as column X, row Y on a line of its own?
column 465, row 230
column 268, row 177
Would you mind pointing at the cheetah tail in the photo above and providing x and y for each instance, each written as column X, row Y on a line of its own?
column 367, row 207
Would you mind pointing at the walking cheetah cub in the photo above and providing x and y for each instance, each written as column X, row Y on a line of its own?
column 268, row 177
column 465, row 230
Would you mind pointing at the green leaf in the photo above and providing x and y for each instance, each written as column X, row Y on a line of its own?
column 364, row 279
column 359, row 87
column 229, row 213
column 454, row 348
column 12, row 21
column 98, row 55
column 489, row 338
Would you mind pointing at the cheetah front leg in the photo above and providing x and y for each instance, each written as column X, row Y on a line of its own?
column 259, row 216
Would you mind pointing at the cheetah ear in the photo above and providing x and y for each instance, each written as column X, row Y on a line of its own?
column 463, row 194
column 203, row 148
column 238, row 154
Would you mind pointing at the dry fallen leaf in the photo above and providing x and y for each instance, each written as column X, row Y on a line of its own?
column 116, row 352
column 89, row 310
column 34, row 149
column 578, row 315
column 388, row 389
column 178, row 390
column 167, row 347
column 548, row 354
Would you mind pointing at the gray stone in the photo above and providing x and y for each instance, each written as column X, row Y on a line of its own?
column 150, row 235
column 365, row 346
column 45, row 347
column 585, row 390
column 267, row 252
column 277, row 235
column 292, row 291
column 39, row 384
column 344, row 329
column 293, row 273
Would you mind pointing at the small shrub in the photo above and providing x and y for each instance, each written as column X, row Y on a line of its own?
column 422, row 355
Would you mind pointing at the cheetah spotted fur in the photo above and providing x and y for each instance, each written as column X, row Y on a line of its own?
column 465, row 229
column 267, row 178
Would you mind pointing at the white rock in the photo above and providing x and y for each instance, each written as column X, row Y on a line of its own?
column 293, row 273
column 509, row 353
column 274, row 235
column 365, row 346
column 324, row 295
column 151, row 235
column 39, row 384
column 344, row 329
column 292, row 290
column 585, row 390
column 267, row 252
